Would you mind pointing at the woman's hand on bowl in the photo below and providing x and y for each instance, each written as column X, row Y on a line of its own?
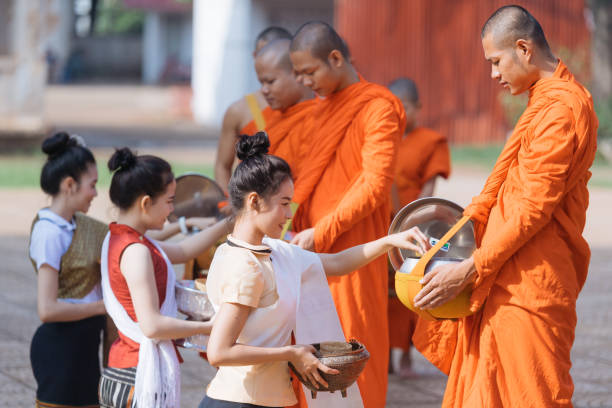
column 412, row 239
column 308, row 365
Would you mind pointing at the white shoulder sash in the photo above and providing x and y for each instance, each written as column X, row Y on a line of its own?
column 157, row 374
column 316, row 319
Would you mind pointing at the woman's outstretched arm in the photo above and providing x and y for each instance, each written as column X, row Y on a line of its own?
column 354, row 258
column 194, row 245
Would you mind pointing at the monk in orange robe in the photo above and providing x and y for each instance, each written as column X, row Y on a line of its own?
column 423, row 156
column 292, row 104
column 532, row 260
column 344, row 187
column 248, row 115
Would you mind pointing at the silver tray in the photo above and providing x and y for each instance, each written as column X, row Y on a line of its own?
column 192, row 302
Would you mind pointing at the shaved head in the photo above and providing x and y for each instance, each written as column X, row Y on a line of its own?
column 320, row 39
column 275, row 73
column 276, row 53
column 270, row 34
column 406, row 89
column 511, row 23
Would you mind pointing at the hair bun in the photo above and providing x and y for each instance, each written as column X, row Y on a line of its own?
column 57, row 144
column 251, row 146
column 122, row 159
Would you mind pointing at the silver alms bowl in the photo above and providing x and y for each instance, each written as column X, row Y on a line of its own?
column 192, row 302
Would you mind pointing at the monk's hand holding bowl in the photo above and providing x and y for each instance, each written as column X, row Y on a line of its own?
column 308, row 365
column 304, row 239
column 444, row 283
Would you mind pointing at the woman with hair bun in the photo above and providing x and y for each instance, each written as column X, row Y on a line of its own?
column 138, row 285
column 263, row 289
column 65, row 251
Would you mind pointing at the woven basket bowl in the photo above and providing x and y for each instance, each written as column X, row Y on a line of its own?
column 350, row 363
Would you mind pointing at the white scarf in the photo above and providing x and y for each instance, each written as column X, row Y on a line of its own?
column 316, row 316
column 157, row 373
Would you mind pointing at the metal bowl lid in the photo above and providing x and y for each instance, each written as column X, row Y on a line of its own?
column 196, row 196
column 434, row 216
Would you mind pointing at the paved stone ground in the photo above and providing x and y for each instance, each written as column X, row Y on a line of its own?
column 592, row 353
column 591, row 356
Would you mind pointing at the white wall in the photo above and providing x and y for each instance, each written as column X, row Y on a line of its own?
column 221, row 56
column 224, row 38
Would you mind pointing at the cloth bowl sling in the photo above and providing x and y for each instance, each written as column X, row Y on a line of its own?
column 433, row 216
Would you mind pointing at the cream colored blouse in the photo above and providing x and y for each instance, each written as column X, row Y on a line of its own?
column 243, row 273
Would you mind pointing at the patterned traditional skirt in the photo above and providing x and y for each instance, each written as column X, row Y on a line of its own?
column 65, row 363
column 117, row 387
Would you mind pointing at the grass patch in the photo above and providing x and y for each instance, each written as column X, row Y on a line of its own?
column 23, row 171
column 478, row 156
column 484, row 157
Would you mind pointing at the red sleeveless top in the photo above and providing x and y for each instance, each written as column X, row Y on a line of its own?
column 124, row 351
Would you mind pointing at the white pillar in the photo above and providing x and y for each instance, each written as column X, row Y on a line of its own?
column 23, row 71
column 59, row 34
column 153, row 48
column 222, row 59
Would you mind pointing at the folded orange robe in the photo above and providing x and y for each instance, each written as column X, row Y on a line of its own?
column 531, row 262
column 290, row 134
column 251, row 128
column 344, row 193
column 421, row 155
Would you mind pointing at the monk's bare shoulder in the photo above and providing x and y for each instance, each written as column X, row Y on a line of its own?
column 237, row 116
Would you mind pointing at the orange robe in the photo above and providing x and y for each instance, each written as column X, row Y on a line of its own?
column 344, row 193
column 251, row 128
column 531, row 262
column 290, row 133
column 421, row 155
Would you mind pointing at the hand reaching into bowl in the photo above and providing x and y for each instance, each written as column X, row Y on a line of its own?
column 354, row 258
column 412, row 239
column 308, row 365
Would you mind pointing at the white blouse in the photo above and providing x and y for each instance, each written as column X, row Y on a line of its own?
column 50, row 239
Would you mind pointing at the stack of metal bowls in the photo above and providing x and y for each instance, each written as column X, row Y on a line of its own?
column 434, row 217
column 195, row 304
